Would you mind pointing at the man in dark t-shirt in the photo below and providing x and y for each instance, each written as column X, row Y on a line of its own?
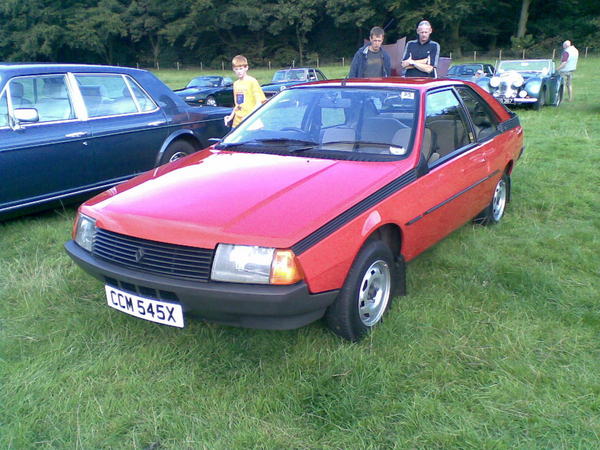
column 421, row 56
column 371, row 60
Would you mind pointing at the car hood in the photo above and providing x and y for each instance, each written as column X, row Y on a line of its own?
column 239, row 198
column 196, row 91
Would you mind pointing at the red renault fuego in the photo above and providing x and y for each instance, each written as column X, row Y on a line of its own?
column 310, row 208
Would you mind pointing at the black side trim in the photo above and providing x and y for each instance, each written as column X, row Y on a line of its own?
column 448, row 200
column 350, row 214
column 509, row 124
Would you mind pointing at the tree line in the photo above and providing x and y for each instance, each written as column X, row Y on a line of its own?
column 149, row 32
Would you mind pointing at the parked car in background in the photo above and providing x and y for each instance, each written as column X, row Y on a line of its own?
column 470, row 72
column 209, row 91
column 531, row 81
column 289, row 77
column 329, row 189
column 69, row 130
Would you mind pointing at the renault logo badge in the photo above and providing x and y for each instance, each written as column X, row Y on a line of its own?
column 139, row 254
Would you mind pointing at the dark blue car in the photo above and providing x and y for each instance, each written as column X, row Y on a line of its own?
column 67, row 131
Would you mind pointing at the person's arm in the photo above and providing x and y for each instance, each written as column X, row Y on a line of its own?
column 422, row 64
column 354, row 66
column 563, row 61
column 259, row 95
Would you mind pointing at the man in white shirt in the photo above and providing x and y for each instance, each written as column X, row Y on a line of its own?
column 568, row 65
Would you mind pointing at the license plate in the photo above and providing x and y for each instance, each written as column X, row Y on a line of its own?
column 145, row 308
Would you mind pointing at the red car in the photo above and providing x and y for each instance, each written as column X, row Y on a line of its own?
column 310, row 208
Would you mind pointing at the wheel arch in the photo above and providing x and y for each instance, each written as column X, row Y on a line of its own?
column 391, row 235
column 185, row 135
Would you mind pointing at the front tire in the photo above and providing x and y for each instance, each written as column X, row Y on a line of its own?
column 494, row 212
column 176, row 150
column 366, row 294
column 541, row 100
column 211, row 101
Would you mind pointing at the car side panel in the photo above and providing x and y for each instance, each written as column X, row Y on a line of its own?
column 42, row 161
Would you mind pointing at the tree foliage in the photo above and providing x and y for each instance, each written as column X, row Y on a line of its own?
column 211, row 31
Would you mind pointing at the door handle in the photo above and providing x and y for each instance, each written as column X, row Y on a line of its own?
column 157, row 123
column 77, row 134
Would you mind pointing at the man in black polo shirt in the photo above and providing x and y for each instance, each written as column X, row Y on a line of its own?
column 371, row 60
column 421, row 55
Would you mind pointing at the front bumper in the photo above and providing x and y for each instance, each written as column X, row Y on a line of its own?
column 245, row 305
column 515, row 100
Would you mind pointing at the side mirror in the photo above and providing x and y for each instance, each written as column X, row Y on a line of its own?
column 27, row 115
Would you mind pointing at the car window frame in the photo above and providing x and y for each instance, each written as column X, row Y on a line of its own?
column 71, row 96
column 126, row 78
column 486, row 106
column 465, row 116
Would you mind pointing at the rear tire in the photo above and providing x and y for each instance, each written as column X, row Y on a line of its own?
column 559, row 98
column 367, row 292
column 494, row 212
column 176, row 150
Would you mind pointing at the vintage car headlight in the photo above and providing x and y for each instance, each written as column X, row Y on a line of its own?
column 252, row 264
column 523, row 94
column 495, row 82
column 85, row 231
column 533, row 87
column 517, row 82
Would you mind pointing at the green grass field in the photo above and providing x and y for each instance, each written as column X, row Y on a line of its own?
column 497, row 344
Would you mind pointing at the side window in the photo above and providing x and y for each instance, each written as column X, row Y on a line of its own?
column 483, row 118
column 144, row 102
column 3, row 110
column 445, row 127
column 105, row 95
column 47, row 94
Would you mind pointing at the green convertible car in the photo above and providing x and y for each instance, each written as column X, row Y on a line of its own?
column 528, row 81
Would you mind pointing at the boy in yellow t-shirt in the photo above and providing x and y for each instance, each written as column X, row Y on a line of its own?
column 247, row 93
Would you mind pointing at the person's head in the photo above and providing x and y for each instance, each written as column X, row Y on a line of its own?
column 376, row 38
column 424, row 30
column 239, row 63
column 566, row 44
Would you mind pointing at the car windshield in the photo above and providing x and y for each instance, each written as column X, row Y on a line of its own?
column 289, row 75
column 542, row 66
column 205, row 82
column 328, row 121
column 466, row 69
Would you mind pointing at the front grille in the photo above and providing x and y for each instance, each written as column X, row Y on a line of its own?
column 170, row 260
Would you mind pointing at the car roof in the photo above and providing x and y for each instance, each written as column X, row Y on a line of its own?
column 12, row 69
column 523, row 60
column 414, row 83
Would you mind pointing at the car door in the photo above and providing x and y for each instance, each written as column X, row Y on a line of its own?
column 128, row 128
column 49, row 155
column 453, row 187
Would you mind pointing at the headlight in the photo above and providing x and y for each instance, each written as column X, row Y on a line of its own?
column 190, row 97
column 84, row 233
column 518, row 82
column 252, row 264
column 522, row 94
column 495, row 82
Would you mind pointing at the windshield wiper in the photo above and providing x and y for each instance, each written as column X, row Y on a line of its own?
column 357, row 143
column 285, row 141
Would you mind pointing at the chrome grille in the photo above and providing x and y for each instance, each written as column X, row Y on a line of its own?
column 175, row 261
